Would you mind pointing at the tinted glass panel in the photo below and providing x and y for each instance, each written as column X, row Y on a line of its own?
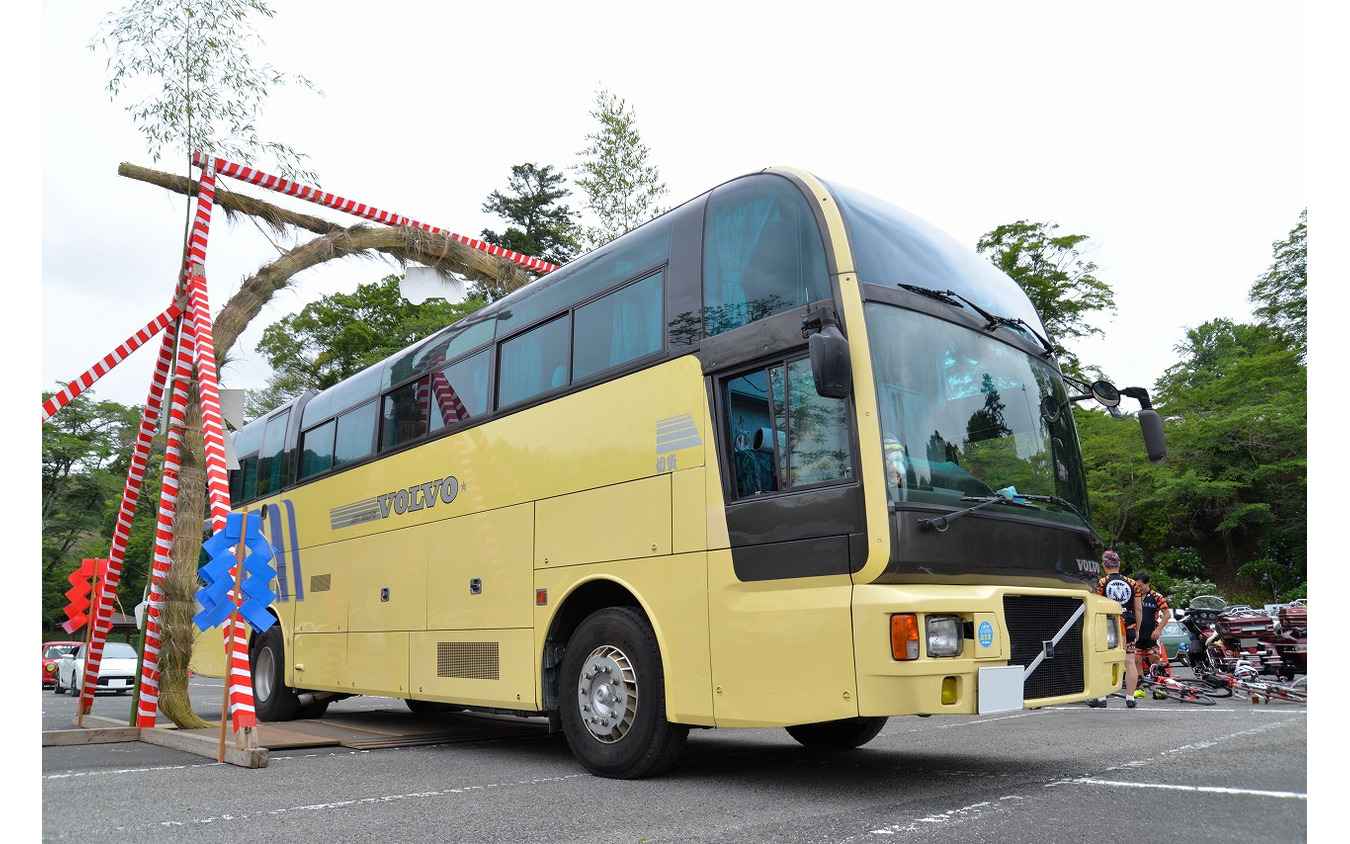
column 273, row 461
column 784, row 435
column 449, row 344
column 891, row 246
column 407, row 413
column 533, row 362
column 607, row 266
column 316, row 449
column 962, row 415
column 617, row 328
column 817, row 431
column 355, row 434
column 459, row 392
column 763, row 253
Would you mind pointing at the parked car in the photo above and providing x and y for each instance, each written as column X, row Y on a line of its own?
column 1173, row 638
column 116, row 670
column 51, row 652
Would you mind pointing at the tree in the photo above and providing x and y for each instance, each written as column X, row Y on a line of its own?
column 543, row 229
column 342, row 334
column 1237, row 410
column 209, row 93
column 86, row 449
column 1051, row 269
column 621, row 186
column 1281, row 294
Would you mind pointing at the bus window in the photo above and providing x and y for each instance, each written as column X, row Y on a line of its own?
column 617, row 328
column 459, row 392
column 405, row 418
column 274, row 460
column 763, row 253
column 316, row 449
column 244, row 479
column 784, row 435
column 355, row 436
column 533, row 362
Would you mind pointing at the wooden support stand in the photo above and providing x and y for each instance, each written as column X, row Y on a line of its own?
column 246, row 753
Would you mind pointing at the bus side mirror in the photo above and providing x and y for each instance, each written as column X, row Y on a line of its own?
column 1155, row 442
column 830, row 367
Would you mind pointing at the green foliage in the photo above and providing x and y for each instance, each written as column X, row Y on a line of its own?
column 205, row 92
column 340, row 335
column 1180, row 563
column 86, row 451
column 1058, row 280
column 621, row 186
column 1281, row 293
column 543, row 229
column 1182, row 591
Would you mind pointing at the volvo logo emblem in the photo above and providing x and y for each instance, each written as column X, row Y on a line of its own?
column 1048, row 648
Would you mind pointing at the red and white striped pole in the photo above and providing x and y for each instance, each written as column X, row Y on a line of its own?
column 318, row 197
column 148, row 702
column 116, row 356
column 107, row 589
column 239, row 679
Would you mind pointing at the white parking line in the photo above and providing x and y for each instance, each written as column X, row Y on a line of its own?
column 1209, row 789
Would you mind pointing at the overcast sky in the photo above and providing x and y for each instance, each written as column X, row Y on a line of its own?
column 1173, row 135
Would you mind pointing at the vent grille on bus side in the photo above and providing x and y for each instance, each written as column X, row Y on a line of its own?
column 467, row 660
column 321, row 583
column 1033, row 620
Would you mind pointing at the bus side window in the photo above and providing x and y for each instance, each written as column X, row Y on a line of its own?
column 274, row 460
column 619, row 327
column 750, row 413
column 405, row 414
column 783, row 434
column 316, row 449
column 355, row 434
column 763, row 253
column 528, row 361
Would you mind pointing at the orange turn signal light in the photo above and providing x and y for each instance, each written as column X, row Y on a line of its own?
column 904, row 636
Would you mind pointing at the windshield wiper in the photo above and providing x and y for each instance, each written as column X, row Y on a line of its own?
column 1055, row 499
column 951, row 297
column 940, row 522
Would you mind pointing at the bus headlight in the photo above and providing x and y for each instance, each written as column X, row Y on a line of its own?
column 944, row 635
column 1112, row 631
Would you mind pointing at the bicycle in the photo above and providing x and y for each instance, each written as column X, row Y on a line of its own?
column 1164, row 685
column 1246, row 680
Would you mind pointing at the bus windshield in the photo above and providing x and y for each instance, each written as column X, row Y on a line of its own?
column 961, row 415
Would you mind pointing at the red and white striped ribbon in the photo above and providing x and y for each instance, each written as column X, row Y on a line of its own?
column 116, row 356
column 148, row 705
column 130, row 497
column 318, row 197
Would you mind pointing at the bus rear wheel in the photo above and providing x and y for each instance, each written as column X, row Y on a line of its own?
column 613, row 701
column 273, row 700
column 837, row 735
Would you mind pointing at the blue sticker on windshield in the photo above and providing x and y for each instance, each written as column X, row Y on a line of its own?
column 986, row 634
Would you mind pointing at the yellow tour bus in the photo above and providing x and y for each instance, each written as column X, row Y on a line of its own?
column 784, row 456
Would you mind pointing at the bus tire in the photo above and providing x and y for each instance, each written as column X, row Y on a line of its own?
column 273, row 700
column 838, row 735
column 613, row 697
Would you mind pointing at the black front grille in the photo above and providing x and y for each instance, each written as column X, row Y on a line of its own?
column 1033, row 620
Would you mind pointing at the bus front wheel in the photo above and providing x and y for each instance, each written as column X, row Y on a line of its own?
column 273, row 700
column 837, row 735
column 613, row 701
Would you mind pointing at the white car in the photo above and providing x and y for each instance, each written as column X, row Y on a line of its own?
column 116, row 670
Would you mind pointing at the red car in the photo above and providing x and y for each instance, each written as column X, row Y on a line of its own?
column 51, row 652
